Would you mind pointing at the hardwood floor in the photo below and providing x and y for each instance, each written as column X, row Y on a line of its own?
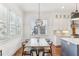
column 18, row 53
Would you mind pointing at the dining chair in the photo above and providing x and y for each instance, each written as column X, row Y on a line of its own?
column 40, row 50
column 51, row 48
column 25, row 50
column 32, row 51
column 48, row 50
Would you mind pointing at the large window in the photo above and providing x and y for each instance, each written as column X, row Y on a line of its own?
column 10, row 23
column 37, row 30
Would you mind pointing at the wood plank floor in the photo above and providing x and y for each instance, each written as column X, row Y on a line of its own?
column 18, row 53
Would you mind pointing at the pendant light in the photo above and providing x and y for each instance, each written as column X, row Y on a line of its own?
column 75, row 15
column 39, row 21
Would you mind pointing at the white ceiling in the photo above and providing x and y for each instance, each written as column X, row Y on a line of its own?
column 48, row 7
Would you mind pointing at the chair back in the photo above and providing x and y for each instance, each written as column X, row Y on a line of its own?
column 23, row 47
column 51, row 48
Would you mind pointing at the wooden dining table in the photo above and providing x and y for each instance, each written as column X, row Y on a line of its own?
column 34, row 43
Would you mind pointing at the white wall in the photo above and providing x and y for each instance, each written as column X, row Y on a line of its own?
column 53, row 23
column 13, row 7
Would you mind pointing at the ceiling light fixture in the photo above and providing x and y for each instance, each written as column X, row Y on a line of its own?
column 62, row 7
column 39, row 21
column 75, row 15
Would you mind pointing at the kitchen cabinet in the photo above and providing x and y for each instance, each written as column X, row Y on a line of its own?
column 69, row 48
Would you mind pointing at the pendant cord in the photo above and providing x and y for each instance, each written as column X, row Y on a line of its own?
column 76, row 6
column 39, row 11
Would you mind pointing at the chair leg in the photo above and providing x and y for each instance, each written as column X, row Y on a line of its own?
column 37, row 53
column 31, row 52
column 43, row 53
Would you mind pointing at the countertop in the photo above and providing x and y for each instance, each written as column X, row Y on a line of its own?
column 71, row 39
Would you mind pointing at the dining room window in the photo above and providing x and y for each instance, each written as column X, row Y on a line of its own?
column 42, row 29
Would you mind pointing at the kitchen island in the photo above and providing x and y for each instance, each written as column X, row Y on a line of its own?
column 70, row 46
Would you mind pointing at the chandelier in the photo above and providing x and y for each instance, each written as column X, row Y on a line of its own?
column 75, row 15
column 39, row 21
